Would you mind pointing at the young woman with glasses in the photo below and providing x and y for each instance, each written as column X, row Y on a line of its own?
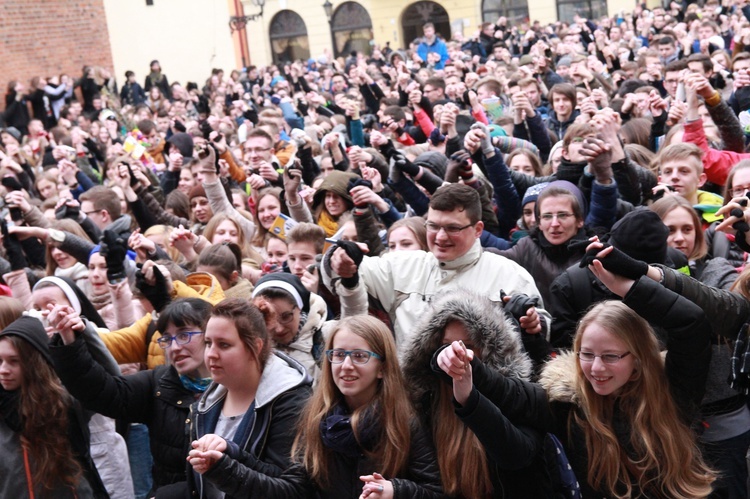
column 358, row 434
column 622, row 413
column 159, row 398
column 299, row 318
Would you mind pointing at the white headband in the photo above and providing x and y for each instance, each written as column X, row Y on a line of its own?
column 69, row 293
column 280, row 284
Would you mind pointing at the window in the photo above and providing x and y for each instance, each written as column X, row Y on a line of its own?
column 352, row 29
column 418, row 14
column 590, row 9
column 288, row 36
column 515, row 10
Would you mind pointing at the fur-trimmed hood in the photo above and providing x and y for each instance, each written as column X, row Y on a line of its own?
column 559, row 378
column 490, row 331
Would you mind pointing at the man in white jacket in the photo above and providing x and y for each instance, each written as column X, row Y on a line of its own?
column 405, row 282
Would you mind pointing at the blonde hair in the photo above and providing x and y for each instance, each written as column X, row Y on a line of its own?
column 390, row 400
column 216, row 220
column 679, row 152
column 260, row 231
column 666, row 461
column 165, row 231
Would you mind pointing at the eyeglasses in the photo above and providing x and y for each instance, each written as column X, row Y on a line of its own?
column 451, row 230
column 607, row 358
column 286, row 317
column 180, row 338
column 740, row 190
column 338, row 356
column 561, row 216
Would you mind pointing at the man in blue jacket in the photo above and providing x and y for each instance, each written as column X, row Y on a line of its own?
column 432, row 43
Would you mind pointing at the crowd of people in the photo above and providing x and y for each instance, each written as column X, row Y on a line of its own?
column 507, row 265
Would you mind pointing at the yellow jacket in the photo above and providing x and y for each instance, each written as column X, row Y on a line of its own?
column 128, row 345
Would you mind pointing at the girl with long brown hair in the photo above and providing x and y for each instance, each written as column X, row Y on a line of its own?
column 359, row 419
column 45, row 448
column 469, row 466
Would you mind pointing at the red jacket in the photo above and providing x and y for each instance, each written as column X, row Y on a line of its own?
column 716, row 163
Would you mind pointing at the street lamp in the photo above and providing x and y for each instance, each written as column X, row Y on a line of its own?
column 237, row 23
column 328, row 8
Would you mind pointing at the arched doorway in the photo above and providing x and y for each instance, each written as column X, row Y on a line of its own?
column 516, row 11
column 352, row 29
column 419, row 13
column 288, row 36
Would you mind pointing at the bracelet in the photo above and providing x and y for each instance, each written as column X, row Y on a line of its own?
column 714, row 100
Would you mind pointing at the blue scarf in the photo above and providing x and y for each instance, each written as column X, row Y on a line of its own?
column 195, row 385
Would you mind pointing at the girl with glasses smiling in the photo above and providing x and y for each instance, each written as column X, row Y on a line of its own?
column 358, row 434
column 622, row 413
column 159, row 398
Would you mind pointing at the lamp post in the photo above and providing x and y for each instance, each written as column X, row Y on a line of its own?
column 328, row 8
column 238, row 23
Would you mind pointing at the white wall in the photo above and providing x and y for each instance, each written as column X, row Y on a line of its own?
column 188, row 37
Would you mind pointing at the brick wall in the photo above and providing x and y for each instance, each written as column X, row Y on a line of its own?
column 46, row 37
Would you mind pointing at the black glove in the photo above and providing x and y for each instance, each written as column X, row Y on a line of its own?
column 518, row 305
column 13, row 249
column 35, row 252
column 616, row 262
column 354, row 182
column 158, row 294
column 71, row 212
column 740, row 225
column 406, row 166
column 114, row 251
column 179, row 126
column 12, row 184
column 355, row 253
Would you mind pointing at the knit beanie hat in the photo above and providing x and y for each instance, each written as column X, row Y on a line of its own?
column 32, row 331
column 569, row 186
column 435, row 161
column 197, row 191
column 641, row 235
column 13, row 132
column 77, row 298
column 183, row 142
column 286, row 282
column 532, row 193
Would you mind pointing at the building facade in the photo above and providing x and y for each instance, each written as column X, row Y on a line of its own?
column 299, row 29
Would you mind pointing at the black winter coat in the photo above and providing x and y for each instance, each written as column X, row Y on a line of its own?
column 155, row 398
column 544, row 261
column 420, row 481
